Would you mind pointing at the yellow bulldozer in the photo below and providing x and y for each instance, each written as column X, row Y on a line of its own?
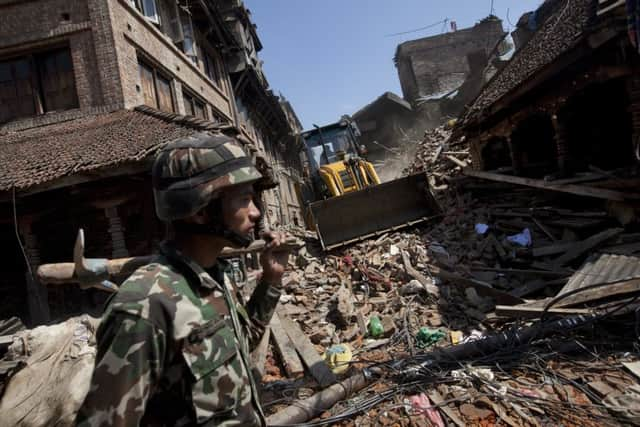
column 344, row 198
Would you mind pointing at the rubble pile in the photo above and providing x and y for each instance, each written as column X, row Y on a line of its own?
column 439, row 155
column 498, row 255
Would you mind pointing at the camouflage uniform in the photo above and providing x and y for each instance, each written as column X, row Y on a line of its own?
column 174, row 342
column 168, row 352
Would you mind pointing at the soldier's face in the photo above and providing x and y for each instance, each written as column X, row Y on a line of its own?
column 239, row 211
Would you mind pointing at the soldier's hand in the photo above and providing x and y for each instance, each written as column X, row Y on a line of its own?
column 274, row 261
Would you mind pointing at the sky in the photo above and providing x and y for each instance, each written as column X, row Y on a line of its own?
column 332, row 57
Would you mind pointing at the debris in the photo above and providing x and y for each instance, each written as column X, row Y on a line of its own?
column 427, row 284
column 338, row 358
column 580, row 190
column 306, row 409
column 481, row 228
column 427, row 337
column 582, row 247
column 375, row 327
column 522, row 239
column 344, row 307
column 456, row 337
column 411, row 288
column 286, row 350
column 54, row 382
column 439, row 400
column 420, row 404
column 317, row 367
column 259, row 355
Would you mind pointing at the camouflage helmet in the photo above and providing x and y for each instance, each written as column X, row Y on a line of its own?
column 189, row 172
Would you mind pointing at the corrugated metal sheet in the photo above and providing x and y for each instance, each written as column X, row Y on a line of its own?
column 605, row 268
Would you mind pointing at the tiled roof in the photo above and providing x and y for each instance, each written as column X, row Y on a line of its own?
column 558, row 35
column 40, row 155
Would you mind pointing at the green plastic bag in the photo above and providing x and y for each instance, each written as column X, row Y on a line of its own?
column 375, row 327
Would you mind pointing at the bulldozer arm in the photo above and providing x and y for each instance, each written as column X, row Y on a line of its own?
column 374, row 210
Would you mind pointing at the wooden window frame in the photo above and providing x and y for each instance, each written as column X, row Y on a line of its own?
column 188, row 96
column 36, row 62
column 157, row 75
column 213, row 68
column 141, row 6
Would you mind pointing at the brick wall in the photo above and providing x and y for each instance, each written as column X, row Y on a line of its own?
column 46, row 24
column 19, row 20
column 105, row 38
column 134, row 36
column 439, row 64
column 105, row 52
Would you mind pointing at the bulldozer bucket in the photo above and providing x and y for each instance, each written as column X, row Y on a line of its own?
column 375, row 210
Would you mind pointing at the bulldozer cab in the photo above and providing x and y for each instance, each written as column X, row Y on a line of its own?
column 344, row 198
column 334, row 163
column 330, row 144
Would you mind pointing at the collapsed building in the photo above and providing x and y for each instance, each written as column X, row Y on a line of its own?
column 89, row 91
column 566, row 103
column 433, row 69
column 438, row 76
column 516, row 306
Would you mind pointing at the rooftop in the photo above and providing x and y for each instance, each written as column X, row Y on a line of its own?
column 557, row 35
column 41, row 155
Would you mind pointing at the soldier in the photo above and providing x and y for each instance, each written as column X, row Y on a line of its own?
column 174, row 342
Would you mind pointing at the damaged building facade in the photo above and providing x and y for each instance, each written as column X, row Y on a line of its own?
column 89, row 90
column 435, row 68
column 438, row 76
column 567, row 103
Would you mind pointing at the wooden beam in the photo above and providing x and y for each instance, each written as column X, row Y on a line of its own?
column 580, row 248
column 484, row 289
column 625, row 249
column 523, row 311
column 285, row 348
column 558, row 248
column 533, row 272
column 544, row 229
column 535, row 286
column 317, row 367
column 617, row 288
column 112, row 171
column 457, row 161
column 439, row 400
column 259, row 355
column 427, row 283
column 580, row 190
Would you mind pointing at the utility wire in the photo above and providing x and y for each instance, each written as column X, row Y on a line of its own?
column 435, row 24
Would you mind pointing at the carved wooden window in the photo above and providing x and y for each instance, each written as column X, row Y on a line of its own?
column 37, row 83
column 212, row 68
column 193, row 106
column 148, row 86
column 165, row 100
column 58, row 85
column 156, row 88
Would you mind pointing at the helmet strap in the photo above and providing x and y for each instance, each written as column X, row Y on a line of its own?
column 215, row 226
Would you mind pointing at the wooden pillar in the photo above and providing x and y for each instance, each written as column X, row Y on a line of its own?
column 516, row 158
column 562, row 143
column 119, row 246
column 37, row 298
column 634, row 108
